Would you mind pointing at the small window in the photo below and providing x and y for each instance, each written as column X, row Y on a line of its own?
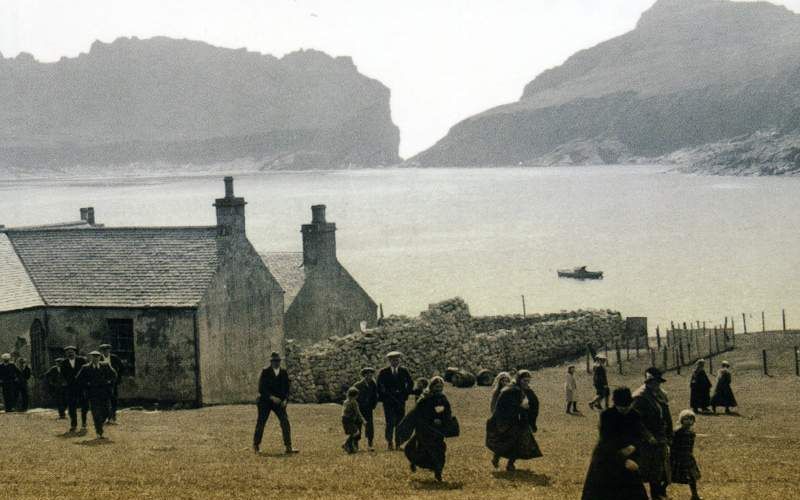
column 120, row 336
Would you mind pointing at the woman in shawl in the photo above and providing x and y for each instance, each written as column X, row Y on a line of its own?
column 509, row 432
column 700, row 387
column 500, row 381
column 431, row 420
column 723, row 394
column 614, row 473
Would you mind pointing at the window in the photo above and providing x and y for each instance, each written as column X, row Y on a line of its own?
column 120, row 336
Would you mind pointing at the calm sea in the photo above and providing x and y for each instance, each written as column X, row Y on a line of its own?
column 673, row 247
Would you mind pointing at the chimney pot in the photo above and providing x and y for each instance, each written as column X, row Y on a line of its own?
column 90, row 215
column 318, row 214
column 83, row 213
column 228, row 187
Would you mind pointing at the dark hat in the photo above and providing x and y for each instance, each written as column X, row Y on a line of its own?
column 70, row 348
column 367, row 369
column 653, row 373
column 104, row 346
column 274, row 356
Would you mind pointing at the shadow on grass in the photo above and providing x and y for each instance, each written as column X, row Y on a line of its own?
column 434, row 485
column 95, row 442
column 523, row 476
column 274, row 454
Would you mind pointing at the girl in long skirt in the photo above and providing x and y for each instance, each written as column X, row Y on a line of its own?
column 723, row 394
column 684, row 466
column 509, row 432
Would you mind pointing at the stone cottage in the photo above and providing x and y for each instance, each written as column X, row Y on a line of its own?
column 193, row 311
column 322, row 299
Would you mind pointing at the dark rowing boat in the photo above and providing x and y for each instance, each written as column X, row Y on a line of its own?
column 580, row 273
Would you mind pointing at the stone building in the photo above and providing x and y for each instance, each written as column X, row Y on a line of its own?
column 193, row 311
column 322, row 299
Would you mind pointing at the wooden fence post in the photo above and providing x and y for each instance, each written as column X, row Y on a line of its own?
column 665, row 355
column 711, row 366
column 763, row 323
column 764, row 359
column 725, row 328
column 716, row 340
column 744, row 323
column 588, row 360
column 658, row 338
column 733, row 326
column 711, row 347
column 619, row 357
column 671, row 341
column 524, row 312
column 783, row 316
column 652, row 356
column 797, row 360
column 627, row 348
column 677, row 363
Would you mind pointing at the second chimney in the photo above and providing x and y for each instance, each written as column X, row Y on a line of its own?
column 319, row 239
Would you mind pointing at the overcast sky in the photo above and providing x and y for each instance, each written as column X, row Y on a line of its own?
column 444, row 60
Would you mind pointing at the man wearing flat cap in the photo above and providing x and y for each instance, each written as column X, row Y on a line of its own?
column 74, row 392
column 97, row 379
column 9, row 375
column 273, row 396
column 652, row 404
column 57, row 387
column 367, row 401
column 394, row 387
column 114, row 361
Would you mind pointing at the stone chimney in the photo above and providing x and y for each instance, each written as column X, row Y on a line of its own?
column 319, row 239
column 230, row 212
column 87, row 215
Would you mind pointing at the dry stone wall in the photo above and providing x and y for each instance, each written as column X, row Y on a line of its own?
column 447, row 335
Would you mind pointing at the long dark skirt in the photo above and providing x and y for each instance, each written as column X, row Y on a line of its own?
column 654, row 462
column 700, row 397
column 608, row 479
column 427, row 452
column 723, row 396
column 513, row 441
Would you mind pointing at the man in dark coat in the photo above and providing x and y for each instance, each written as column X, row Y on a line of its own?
column 114, row 362
column 652, row 405
column 97, row 379
column 700, row 388
column 367, row 402
column 394, row 387
column 23, row 375
column 9, row 375
column 57, row 387
column 273, row 396
column 600, row 382
column 75, row 393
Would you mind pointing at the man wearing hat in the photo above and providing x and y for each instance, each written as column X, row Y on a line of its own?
column 394, row 386
column 114, row 361
column 75, row 395
column 97, row 379
column 367, row 401
column 652, row 404
column 600, row 382
column 9, row 376
column 57, row 387
column 273, row 396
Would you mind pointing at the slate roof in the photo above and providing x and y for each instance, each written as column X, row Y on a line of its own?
column 118, row 267
column 16, row 288
column 287, row 268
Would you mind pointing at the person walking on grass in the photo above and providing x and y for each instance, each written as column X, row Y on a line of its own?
column 723, row 393
column 75, row 393
column 23, row 374
column 600, row 382
column 367, row 402
column 9, row 376
column 114, row 362
column 394, row 387
column 97, row 379
column 273, row 397
column 652, row 403
column 700, row 388
column 510, row 430
column 571, row 389
column 684, row 465
column 57, row 387
column 352, row 420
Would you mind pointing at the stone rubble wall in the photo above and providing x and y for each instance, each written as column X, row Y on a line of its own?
column 447, row 335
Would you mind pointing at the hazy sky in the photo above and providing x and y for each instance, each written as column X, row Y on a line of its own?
column 443, row 59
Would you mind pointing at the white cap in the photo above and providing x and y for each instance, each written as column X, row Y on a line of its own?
column 6, row 356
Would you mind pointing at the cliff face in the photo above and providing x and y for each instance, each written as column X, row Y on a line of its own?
column 184, row 101
column 692, row 72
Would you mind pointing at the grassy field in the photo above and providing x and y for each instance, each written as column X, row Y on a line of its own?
column 206, row 453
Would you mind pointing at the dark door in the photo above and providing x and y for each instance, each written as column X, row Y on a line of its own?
column 38, row 348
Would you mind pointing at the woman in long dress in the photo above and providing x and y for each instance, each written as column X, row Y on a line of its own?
column 509, row 431
column 700, row 388
column 431, row 421
column 613, row 472
column 723, row 394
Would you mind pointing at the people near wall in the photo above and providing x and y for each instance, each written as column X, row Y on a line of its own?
column 614, row 470
column 426, row 427
column 600, row 382
column 684, row 465
column 652, row 404
column 510, row 430
column 57, row 387
column 571, row 390
column 75, row 394
column 419, row 388
column 394, row 387
column 115, row 362
column 273, row 397
column 723, row 393
column 501, row 380
column 23, row 376
column 9, row 376
column 97, row 379
column 352, row 421
column 700, row 388
column 367, row 402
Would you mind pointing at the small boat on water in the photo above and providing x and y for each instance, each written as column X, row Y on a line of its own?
column 580, row 273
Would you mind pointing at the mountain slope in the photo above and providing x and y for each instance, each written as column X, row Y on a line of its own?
column 692, row 72
column 186, row 101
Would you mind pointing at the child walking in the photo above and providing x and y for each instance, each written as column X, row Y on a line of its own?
column 571, row 388
column 352, row 420
column 684, row 466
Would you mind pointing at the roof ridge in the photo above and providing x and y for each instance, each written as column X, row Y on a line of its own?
column 105, row 228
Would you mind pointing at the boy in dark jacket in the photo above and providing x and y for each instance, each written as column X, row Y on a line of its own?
column 352, row 420
column 367, row 402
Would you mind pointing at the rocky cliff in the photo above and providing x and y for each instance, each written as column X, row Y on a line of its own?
column 180, row 101
column 692, row 72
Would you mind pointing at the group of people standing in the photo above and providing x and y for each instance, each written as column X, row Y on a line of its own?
column 14, row 376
